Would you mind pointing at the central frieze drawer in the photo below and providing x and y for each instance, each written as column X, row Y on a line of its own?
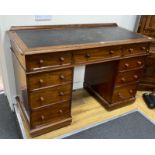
column 49, row 78
column 44, row 97
column 96, row 54
column 41, row 61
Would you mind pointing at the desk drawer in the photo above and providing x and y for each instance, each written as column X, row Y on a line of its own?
column 135, row 49
column 128, row 76
column 41, row 61
column 45, row 79
column 123, row 93
column 131, row 63
column 96, row 54
column 51, row 114
column 48, row 96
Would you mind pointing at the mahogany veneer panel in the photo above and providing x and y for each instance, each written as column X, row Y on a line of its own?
column 48, row 96
column 49, row 78
column 131, row 63
column 35, row 62
column 54, row 113
column 96, row 54
column 130, row 76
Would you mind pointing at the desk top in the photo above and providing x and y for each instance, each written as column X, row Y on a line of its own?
column 72, row 37
column 43, row 38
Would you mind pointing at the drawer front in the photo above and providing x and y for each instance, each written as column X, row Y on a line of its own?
column 51, row 114
column 48, row 96
column 90, row 55
column 135, row 49
column 131, row 63
column 41, row 61
column 45, row 79
column 124, row 93
column 129, row 76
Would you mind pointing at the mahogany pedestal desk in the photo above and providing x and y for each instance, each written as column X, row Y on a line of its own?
column 44, row 58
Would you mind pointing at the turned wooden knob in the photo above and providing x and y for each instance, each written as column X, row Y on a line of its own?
column 131, row 91
column 130, row 50
column 143, row 48
column 42, row 117
column 42, row 99
column 41, row 81
column 139, row 62
column 123, row 79
column 60, row 111
column 41, row 61
column 126, row 65
column 61, row 93
column 120, row 96
column 87, row 55
column 135, row 77
column 111, row 52
column 61, row 58
column 62, row 76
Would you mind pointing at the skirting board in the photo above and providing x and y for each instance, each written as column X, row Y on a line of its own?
column 20, row 122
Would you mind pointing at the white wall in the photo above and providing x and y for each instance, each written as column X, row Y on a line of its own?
column 128, row 22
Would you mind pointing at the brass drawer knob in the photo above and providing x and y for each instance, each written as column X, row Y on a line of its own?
column 61, row 93
column 139, row 62
column 87, row 55
column 123, row 79
column 130, row 50
column 41, row 61
column 42, row 117
column 41, row 81
column 42, row 99
column 60, row 111
column 135, row 77
column 111, row 52
column 62, row 59
column 126, row 65
column 62, row 77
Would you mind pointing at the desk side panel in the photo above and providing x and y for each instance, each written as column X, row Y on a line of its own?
column 15, row 50
column 21, row 83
